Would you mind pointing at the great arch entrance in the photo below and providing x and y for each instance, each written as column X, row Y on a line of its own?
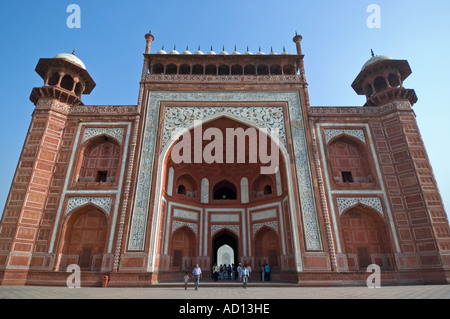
column 221, row 240
column 227, row 203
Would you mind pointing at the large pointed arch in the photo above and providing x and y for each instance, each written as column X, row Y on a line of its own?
column 148, row 164
column 225, row 237
column 183, row 249
column 365, row 237
column 267, row 247
column 84, row 237
column 164, row 166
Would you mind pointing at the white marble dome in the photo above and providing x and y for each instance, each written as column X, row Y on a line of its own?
column 71, row 58
column 376, row 58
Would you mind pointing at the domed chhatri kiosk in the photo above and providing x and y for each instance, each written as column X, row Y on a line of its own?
column 65, row 78
column 98, row 186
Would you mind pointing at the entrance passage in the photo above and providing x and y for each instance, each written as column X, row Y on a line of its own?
column 225, row 249
column 225, row 255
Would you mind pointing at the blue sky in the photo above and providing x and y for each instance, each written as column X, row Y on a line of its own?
column 336, row 43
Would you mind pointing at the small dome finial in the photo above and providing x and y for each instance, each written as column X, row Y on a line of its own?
column 73, row 52
column 371, row 52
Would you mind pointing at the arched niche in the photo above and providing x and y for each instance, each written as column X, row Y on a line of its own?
column 224, row 190
column 85, row 235
column 365, row 238
column 349, row 161
column 99, row 161
column 186, row 186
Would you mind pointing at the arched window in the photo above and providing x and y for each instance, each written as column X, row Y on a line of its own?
column 100, row 161
column 224, row 70
column 210, row 70
column 78, row 89
column 262, row 186
column 394, row 80
column 288, row 69
column 185, row 69
column 158, row 68
column 250, row 69
column 54, row 79
column 275, row 69
column 224, row 191
column 368, row 90
column 380, row 84
column 186, row 186
column 349, row 162
column 236, row 69
column 171, row 69
column 67, row 82
column 197, row 69
column 263, row 69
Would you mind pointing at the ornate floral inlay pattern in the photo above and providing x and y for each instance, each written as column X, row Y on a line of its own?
column 261, row 117
column 102, row 202
column 216, row 228
column 330, row 134
column 346, row 202
column 178, row 224
column 271, row 224
column 115, row 132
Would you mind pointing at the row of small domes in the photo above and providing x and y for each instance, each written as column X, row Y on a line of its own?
column 223, row 52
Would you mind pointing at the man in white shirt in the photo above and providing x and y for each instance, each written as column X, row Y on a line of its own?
column 239, row 269
column 197, row 275
column 245, row 274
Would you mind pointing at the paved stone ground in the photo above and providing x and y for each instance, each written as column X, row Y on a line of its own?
column 229, row 292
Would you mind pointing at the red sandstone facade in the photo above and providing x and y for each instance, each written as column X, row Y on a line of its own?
column 97, row 186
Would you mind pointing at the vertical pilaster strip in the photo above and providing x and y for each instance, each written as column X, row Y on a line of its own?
column 323, row 199
column 126, row 194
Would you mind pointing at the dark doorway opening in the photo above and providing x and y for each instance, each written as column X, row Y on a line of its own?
column 225, row 238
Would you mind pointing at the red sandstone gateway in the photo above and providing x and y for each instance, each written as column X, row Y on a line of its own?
column 96, row 185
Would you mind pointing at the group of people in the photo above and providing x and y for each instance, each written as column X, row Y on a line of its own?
column 232, row 271
column 240, row 272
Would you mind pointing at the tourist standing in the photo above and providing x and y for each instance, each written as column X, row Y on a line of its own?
column 267, row 272
column 186, row 280
column 215, row 272
column 263, row 272
column 245, row 274
column 197, row 275
column 239, row 269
